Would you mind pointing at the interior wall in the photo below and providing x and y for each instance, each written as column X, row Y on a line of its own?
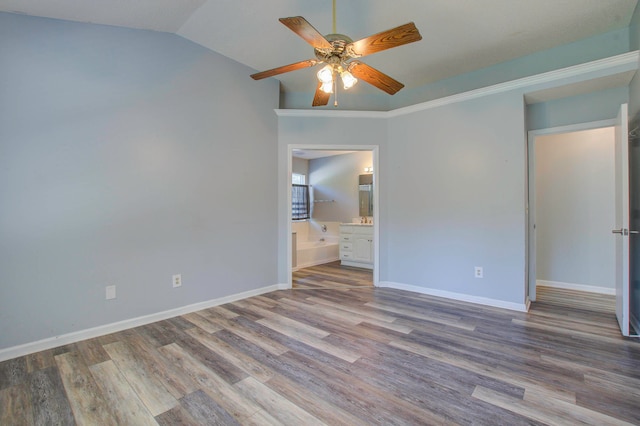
column 332, row 133
column 585, row 108
column 300, row 166
column 125, row 157
column 575, row 208
column 454, row 194
column 579, row 52
column 336, row 178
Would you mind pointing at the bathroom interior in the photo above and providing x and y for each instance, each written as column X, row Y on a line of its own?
column 339, row 230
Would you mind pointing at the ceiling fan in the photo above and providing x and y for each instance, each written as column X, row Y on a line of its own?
column 340, row 53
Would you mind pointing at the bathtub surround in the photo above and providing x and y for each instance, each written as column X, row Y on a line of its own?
column 316, row 252
column 313, row 245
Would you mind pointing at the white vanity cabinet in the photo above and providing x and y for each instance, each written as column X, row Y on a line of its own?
column 356, row 245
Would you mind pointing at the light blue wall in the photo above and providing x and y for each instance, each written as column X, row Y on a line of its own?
column 300, row 166
column 451, row 183
column 125, row 157
column 454, row 193
column 588, row 107
column 354, row 99
column 582, row 51
column 332, row 133
column 336, row 178
column 574, row 192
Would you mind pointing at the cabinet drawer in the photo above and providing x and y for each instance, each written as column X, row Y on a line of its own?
column 364, row 230
column 346, row 246
column 346, row 256
column 346, row 229
column 346, row 238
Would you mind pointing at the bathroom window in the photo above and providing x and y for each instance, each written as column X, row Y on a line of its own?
column 298, row 179
column 299, row 197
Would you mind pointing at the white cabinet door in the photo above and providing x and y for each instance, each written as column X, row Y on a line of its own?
column 362, row 248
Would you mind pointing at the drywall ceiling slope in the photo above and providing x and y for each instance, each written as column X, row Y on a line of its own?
column 459, row 36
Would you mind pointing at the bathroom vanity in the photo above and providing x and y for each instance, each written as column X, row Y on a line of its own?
column 356, row 245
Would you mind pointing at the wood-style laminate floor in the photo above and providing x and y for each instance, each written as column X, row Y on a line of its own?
column 356, row 356
column 331, row 275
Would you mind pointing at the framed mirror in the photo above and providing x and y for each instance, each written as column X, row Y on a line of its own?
column 365, row 194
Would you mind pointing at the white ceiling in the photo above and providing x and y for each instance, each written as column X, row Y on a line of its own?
column 459, row 36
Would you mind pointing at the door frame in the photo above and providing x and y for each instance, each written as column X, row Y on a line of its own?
column 531, row 191
column 375, row 152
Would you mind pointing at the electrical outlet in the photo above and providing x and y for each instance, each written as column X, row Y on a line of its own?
column 110, row 292
column 177, row 280
column 479, row 273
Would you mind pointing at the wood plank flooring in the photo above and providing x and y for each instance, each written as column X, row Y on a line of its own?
column 353, row 356
column 331, row 275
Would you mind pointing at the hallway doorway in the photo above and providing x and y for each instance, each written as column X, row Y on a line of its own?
column 572, row 209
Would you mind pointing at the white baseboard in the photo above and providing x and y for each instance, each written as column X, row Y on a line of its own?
column 578, row 287
column 521, row 307
column 76, row 336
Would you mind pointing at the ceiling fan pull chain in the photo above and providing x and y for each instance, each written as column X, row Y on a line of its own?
column 335, row 89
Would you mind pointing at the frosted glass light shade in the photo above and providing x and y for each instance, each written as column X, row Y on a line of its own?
column 348, row 80
column 325, row 75
column 327, row 87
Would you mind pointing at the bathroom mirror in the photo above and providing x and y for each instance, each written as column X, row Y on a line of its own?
column 365, row 194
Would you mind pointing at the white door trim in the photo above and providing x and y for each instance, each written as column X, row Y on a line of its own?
column 375, row 151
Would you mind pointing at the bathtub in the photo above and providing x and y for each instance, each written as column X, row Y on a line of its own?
column 316, row 252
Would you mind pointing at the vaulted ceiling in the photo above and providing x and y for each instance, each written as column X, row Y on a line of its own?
column 459, row 36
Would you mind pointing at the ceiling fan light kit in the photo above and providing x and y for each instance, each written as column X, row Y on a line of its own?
column 340, row 53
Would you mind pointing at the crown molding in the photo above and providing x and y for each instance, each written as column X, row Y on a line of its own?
column 329, row 113
column 600, row 68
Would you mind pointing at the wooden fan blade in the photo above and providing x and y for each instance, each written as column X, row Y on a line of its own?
column 304, row 29
column 374, row 77
column 283, row 69
column 320, row 98
column 404, row 34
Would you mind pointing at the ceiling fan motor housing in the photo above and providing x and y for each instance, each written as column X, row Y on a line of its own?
column 337, row 53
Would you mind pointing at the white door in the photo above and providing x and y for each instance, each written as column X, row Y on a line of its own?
column 622, row 219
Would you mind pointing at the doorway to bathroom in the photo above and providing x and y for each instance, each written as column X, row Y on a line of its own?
column 321, row 246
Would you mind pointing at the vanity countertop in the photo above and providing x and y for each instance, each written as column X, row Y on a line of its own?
column 357, row 224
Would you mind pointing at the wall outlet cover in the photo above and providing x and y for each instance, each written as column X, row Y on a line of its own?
column 177, row 280
column 479, row 273
column 110, row 292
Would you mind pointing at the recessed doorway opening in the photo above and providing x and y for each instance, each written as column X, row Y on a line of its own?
column 332, row 216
